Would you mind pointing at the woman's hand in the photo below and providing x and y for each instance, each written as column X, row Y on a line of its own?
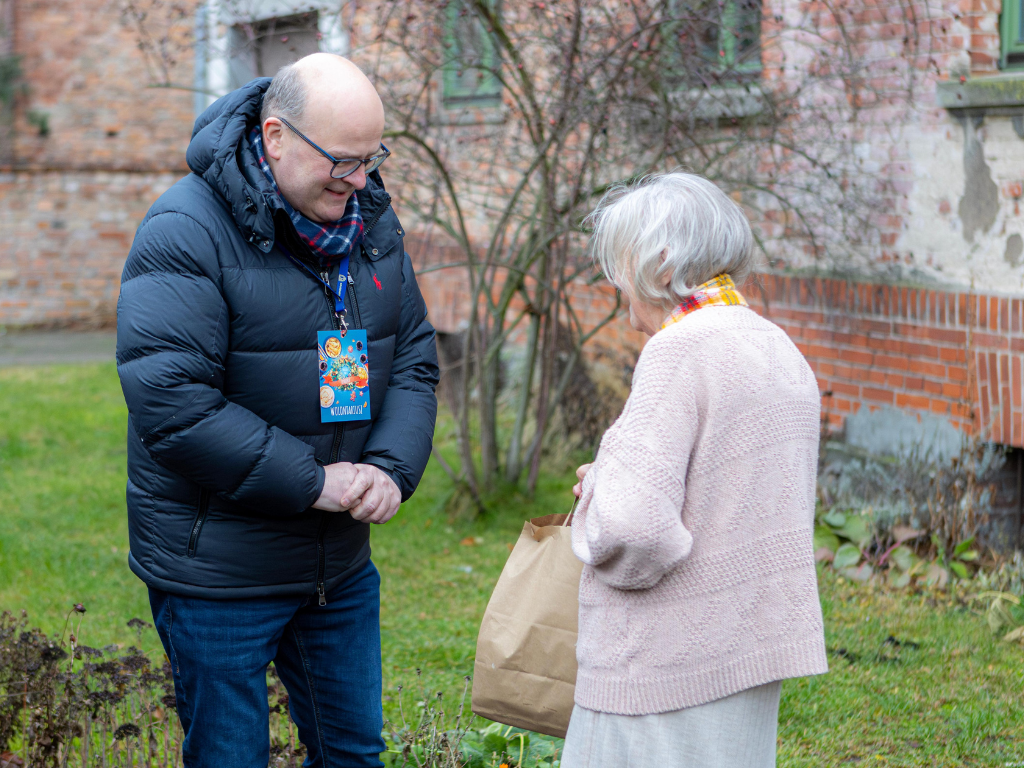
column 581, row 473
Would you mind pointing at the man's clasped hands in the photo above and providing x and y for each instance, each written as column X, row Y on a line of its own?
column 366, row 492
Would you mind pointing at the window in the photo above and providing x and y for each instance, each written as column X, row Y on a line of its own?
column 713, row 40
column 1011, row 32
column 260, row 48
column 471, row 59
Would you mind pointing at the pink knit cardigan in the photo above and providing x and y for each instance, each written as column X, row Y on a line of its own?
column 695, row 524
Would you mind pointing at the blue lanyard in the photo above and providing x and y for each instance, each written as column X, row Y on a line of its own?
column 339, row 295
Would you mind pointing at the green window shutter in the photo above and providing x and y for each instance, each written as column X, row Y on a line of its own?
column 1011, row 33
column 724, row 36
column 739, row 36
column 471, row 59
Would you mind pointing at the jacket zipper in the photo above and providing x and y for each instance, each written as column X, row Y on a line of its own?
column 197, row 525
column 321, row 550
column 321, row 564
column 377, row 215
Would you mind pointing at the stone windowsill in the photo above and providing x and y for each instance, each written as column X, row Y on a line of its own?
column 720, row 102
column 1001, row 91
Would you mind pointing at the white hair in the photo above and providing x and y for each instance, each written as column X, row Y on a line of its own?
column 676, row 224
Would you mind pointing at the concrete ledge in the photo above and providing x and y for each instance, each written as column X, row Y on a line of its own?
column 722, row 101
column 1005, row 90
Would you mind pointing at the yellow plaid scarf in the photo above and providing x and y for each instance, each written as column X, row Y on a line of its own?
column 717, row 292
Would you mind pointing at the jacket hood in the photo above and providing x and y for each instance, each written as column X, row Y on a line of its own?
column 217, row 154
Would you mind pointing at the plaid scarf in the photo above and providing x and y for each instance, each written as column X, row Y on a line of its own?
column 330, row 242
column 717, row 292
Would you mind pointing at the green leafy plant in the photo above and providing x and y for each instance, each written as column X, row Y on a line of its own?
column 40, row 121
column 949, row 564
column 499, row 745
column 843, row 538
column 1005, row 612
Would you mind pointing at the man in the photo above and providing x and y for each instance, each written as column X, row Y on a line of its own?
column 248, row 507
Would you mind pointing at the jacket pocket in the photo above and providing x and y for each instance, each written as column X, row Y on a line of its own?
column 197, row 524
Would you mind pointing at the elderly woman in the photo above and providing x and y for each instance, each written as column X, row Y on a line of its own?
column 695, row 522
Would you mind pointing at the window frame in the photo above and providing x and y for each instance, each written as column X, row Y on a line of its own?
column 723, row 61
column 728, row 40
column 1011, row 20
column 454, row 94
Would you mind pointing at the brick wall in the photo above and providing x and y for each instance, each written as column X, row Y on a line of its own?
column 948, row 353
column 83, row 69
column 70, row 201
column 66, row 236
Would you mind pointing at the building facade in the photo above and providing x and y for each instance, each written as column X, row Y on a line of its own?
column 99, row 99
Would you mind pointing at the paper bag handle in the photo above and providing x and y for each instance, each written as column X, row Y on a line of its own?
column 572, row 509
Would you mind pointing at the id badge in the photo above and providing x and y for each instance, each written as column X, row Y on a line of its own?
column 344, row 376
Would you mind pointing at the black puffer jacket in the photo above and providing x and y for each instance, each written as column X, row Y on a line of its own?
column 216, row 350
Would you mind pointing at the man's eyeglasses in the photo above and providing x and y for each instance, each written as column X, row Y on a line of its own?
column 345, row 166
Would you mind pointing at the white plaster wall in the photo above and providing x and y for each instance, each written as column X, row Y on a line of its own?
column 933, row 237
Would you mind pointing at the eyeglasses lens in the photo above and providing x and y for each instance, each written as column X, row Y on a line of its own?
column 341, row 170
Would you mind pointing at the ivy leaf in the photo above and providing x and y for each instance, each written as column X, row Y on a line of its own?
column 857, row 530
column 847, row 556
column 825, row 539
column 834, row 519
column 902, row 557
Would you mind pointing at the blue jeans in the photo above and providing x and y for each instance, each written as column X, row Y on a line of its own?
column 328, row 658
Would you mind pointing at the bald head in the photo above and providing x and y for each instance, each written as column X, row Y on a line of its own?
column 323, row 87
column 334, row 106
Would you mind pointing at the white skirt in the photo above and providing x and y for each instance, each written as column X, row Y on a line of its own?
column 738, row 731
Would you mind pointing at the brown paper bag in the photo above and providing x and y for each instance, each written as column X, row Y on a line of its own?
column 525, row 671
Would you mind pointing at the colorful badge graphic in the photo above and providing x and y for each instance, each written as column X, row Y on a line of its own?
column 344, row 376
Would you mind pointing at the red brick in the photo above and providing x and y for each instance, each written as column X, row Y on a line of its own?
column 1016, row 382
column 919, row 402
column 913, row 382
column 879, row 395
column 854, row 356
column 893, row 362
column 990, row 340
column 956, row 373
column 955, row 391
column 844, row 388
column 925, row 368
column 953, row 354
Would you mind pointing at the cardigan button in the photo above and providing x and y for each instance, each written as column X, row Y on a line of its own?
column 399, row 230
column 374, row 251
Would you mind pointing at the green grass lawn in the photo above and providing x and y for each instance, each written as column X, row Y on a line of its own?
column 956, row 699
